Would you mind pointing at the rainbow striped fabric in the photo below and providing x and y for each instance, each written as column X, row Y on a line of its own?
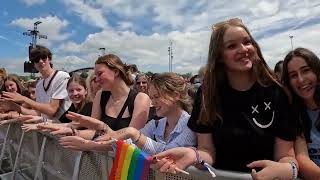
column 129, row 163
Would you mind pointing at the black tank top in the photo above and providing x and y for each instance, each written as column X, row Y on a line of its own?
column 119, row 122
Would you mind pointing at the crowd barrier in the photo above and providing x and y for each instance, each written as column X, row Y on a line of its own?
column 38, row 156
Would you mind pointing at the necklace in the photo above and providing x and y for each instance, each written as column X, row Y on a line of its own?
column 116, row 101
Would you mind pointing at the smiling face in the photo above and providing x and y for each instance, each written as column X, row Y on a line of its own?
column 238, row 50
column 142, row 84
column 76, row 92
column 163, row 106
column 11, row 86
column 302, row 79
column 104, row 76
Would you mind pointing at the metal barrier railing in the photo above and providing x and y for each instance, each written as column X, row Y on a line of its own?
column 39, row 156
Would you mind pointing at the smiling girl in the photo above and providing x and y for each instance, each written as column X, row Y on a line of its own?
column 241, row 114
column 78, row 94
column 301, row 74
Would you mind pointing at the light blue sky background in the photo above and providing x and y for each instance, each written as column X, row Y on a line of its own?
column 139, row 31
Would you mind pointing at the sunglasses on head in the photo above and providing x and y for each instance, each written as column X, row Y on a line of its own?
column 235, row 21
column 37, row 58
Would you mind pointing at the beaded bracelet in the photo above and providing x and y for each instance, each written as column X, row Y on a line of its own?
column 294, row 170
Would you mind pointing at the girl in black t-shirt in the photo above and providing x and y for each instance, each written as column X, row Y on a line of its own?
column 301, row 74
column 78, row 94
column 242, row 116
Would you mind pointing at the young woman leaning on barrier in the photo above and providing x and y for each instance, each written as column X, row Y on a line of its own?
column 11, row 84
column 301, row 74
column 169, row 96
column 116, row 104
column 241, row 114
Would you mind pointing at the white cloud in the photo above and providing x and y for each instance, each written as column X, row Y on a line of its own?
column 33, row 2
column 144, row 50
column 276, row 47
column 187, row 23
column 51, row 26
column 4, row 38
column 87, row 13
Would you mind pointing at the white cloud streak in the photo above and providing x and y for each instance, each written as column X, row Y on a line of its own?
column 33, row 2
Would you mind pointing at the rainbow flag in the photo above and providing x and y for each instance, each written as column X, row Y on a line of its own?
column 129, row 163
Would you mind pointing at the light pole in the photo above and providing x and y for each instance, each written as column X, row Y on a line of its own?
column 291, row 37
column 103, row 51
column 170, row 53
column 28, row 66
column 35, row 34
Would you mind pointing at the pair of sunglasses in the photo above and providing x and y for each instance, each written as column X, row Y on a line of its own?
column 230, row 21
column 37, row 58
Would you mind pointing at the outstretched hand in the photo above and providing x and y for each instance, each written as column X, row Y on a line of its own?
column 8, row 105
column 56, row 129
column 170, row 160
column 85, row 121
column 13, row 96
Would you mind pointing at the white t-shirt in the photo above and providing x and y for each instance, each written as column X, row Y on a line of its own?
column 56, row 90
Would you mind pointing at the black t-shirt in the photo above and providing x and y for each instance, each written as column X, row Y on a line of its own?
column 250, row 122
column 86, row 110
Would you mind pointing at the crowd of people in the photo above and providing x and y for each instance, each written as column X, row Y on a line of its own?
column 236, row 114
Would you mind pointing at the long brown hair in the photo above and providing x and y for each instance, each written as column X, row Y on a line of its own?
column 215, row 74
column 15, row 79
column 168, row 84
column 312, row 61
column 114, row 63
column 82, row 81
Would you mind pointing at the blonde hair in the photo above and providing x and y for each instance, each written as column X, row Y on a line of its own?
column 168, row 84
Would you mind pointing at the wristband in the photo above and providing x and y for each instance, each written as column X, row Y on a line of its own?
column 135, row 141
column 100, row 132
column 294, row 170
column 206, row 165
column 198, row 160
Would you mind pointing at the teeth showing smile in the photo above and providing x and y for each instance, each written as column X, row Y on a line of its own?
column 306, row 88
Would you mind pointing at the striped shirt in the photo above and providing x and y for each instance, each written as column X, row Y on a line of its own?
column 181, row 136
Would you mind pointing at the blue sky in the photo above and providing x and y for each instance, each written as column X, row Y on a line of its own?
column 139, row 31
